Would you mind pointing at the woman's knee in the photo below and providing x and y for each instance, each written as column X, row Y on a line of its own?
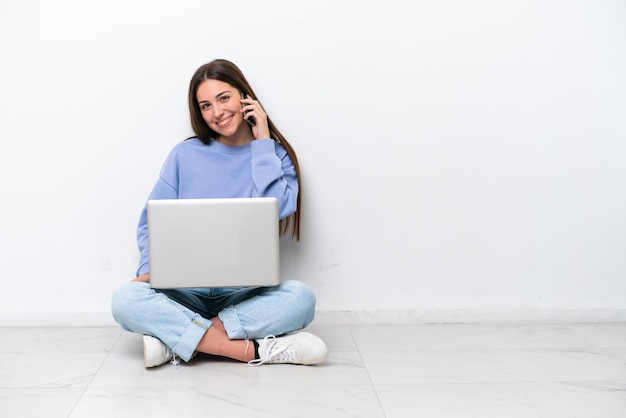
column 125, row 298
column 302, row 299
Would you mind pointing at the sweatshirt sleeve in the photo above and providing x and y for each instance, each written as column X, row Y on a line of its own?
column 274, row 175
column 165, row 188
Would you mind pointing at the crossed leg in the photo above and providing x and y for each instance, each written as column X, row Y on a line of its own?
column 216, row 342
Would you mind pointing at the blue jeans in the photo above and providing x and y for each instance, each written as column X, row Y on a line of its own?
column 180, row 317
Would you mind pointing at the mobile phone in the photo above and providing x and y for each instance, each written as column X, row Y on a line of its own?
column 251, row 121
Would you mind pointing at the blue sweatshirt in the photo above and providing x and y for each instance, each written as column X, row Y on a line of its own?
column 194, row 170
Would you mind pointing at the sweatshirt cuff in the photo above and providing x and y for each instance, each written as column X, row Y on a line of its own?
column 143, row 269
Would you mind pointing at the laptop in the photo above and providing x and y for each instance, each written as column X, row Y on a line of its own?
column 228, row 242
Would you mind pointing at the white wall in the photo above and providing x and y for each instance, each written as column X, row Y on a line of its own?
column 457, row 155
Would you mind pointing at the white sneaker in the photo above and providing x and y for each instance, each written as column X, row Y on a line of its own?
column 300, row 348
column 155, row 352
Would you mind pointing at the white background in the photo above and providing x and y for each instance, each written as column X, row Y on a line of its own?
column 456, row 155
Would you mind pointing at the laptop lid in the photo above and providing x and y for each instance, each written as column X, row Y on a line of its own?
column 228, row 242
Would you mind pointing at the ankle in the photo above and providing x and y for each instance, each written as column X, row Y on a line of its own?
column 256, row 350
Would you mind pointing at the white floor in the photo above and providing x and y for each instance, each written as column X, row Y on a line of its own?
column 532, row 370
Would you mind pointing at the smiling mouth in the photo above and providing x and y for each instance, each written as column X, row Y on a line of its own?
column 224, row 122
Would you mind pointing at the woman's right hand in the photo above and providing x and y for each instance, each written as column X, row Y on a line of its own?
column 145, row 278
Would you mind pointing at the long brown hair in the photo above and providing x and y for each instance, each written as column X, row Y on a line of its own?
column 228, row 72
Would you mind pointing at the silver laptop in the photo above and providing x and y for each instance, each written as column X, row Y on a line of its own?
column 213, row 242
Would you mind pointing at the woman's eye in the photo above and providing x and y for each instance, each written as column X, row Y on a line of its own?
column 204, row 106
column 225, row 98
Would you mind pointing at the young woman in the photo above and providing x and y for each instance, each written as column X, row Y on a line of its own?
column 237, row 152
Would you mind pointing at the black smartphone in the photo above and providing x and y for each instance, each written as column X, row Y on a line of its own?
column 251, row 121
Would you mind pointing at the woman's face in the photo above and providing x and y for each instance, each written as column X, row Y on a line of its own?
column 220, row 106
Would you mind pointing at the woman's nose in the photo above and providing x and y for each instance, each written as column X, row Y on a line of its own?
column 218, row 110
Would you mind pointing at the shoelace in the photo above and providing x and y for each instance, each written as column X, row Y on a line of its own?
column 174, row 361
column 274, row 355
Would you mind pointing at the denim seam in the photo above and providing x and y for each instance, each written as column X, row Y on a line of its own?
column 189, row 340
column 229, row 315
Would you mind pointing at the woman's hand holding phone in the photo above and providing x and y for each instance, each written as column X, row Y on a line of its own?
column 255, row 116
